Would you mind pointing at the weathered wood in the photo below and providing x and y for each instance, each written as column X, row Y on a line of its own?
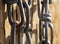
column 1, row 24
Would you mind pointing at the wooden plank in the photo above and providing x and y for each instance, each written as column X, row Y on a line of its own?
column 1, row 24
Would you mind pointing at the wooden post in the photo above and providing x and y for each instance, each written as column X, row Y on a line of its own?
column 1, row 24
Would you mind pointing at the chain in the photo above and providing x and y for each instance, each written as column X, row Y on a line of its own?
column 45, row 22
column 23, row 25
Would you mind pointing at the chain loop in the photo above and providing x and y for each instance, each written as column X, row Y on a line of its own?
column 45, row 22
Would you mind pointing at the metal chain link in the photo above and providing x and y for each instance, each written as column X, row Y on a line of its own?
column 45, row 22
column 24, row 24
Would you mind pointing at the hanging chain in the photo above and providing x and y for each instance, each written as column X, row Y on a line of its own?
column 23, row 25
column 45, row 22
